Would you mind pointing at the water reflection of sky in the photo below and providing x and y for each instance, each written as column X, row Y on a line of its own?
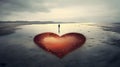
column 18, row 49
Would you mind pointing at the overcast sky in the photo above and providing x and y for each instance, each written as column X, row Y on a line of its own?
column 61, row 10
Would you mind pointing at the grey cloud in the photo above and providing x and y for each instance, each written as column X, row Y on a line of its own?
column 11, row 7
column 22, row 5
column 8, row 7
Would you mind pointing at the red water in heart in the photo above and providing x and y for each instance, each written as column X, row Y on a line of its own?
column 59, row 45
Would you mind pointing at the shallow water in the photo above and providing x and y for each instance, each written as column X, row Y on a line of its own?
column 19, row 50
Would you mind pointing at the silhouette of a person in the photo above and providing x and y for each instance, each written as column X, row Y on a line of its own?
column 58, row 28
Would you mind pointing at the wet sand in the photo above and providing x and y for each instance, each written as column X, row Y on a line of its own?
column 101, row 49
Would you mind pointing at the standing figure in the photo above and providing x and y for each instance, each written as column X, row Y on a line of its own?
column 58, row 28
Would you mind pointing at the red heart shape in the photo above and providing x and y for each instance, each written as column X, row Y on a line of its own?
column 59, row 45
